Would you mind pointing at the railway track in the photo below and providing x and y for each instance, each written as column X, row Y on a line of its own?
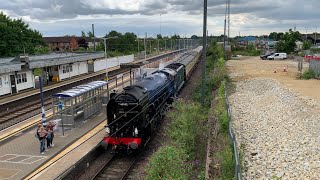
column 117, row 167
column 22, row 113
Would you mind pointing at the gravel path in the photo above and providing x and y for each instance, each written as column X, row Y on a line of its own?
column 279, row 130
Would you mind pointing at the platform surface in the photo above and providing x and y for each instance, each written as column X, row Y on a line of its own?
column 21, row 156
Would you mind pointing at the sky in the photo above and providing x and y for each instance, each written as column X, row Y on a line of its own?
column 168, row 17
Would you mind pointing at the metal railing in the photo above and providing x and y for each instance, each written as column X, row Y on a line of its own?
column 238, row 174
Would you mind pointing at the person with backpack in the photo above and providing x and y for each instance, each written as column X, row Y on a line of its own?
column 41, row 133
column 50, row 134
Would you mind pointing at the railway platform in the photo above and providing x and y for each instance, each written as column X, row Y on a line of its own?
column 20, row 157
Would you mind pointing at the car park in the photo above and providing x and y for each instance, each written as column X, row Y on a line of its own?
column 278, row 56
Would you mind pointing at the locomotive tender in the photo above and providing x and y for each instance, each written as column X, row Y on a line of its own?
column 136, row 113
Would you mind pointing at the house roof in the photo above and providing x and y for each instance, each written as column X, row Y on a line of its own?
column 9, row 64
column 58, row 39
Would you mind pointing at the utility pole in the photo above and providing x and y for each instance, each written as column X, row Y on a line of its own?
column 204, row 45
column 43, row 112
column 158, row 46
column 165, row 45
column 228, row 21
column 160, row 24
column 94, row 39
column 145, row 47
column 150, row 47
column 315, row 37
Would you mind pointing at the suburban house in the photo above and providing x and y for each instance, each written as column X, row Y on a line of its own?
column 69, row 43
column 62, row 43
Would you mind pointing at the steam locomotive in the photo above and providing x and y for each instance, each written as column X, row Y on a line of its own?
column 136, row 113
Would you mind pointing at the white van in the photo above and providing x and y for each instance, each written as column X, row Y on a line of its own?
column 278, row 56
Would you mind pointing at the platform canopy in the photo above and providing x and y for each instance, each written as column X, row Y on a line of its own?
column 78, row 90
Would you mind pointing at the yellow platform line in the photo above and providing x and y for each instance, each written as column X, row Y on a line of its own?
column 84, row 138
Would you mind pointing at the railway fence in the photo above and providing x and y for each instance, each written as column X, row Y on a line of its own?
column 314, row 65
column 233, row 138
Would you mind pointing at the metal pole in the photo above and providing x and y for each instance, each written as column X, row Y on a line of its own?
column 150, row 48
column 204, row 45
column 94, row 39
column 43, row 116
column 138, row 46
column 158, row 46
column 145, row 47
column 165, row 45
column 105, row 56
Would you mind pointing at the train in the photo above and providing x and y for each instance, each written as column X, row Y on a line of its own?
column 135, row 113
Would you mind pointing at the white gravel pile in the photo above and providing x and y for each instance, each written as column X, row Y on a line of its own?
column 279, row 131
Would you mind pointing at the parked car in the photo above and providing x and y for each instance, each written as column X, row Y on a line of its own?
column 278, row 56
column 264, row 57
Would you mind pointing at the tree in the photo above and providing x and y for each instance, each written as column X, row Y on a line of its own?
column 175, row 36
column 287, row 43
column 83, row 34
column 194, row 37
column 16, row 37
column 90, row 34
column 306, row 45
column 159, row 36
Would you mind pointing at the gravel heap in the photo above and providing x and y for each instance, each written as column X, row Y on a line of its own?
column 278, row 131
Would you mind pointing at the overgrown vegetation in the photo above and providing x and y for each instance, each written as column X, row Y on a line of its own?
column 215, row 73
column 168, row 163
column 309, row 74
column 176, row 160
column 220, row 110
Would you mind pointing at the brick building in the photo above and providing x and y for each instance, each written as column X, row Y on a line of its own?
column 63, row 43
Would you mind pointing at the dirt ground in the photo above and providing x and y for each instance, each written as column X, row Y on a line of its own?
column 250, row 67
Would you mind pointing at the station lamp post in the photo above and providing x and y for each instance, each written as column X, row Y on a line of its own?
column 105, row 53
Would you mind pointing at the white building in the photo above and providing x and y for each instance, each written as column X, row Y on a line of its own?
column 14, row 77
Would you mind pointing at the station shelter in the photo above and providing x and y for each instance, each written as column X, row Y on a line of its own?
column 80, row 102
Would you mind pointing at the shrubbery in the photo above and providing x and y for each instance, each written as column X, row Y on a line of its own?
column 220, row 110
column 168, row 163
column 174, row 161
column 309, row 74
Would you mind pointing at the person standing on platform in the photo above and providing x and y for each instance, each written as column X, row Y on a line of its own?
column 49, row 129
column 42, row 137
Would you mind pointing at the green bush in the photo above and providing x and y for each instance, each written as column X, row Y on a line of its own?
column 220, row 110
column 309, row 74
column 168, row 163
column 184, row 127
column 227, row 160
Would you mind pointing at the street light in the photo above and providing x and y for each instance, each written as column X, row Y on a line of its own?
column 105, row 52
